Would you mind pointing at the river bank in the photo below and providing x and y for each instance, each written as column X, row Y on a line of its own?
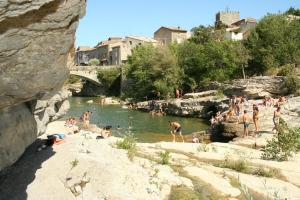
column 83, row 167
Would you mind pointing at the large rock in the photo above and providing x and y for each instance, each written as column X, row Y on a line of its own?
column 17, row 130
column 36, row 50
column 36, row 39
column 53, row 109
column 254, row 87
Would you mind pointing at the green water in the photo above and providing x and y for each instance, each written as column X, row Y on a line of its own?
column 147, row 128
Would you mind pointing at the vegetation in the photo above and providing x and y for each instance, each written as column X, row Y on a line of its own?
column 272, row 47
column 273, row 43
column 93, row 62
column 151, row 70
column 292, row 83
column 128, row 143
column 165, row 157
column 284, row 144
column 72, row 79
column 111, row 79
column 293, row 11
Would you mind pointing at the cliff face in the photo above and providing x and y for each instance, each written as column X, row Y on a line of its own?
column 36, row 47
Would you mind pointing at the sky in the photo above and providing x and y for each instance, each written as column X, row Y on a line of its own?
column 119, row 18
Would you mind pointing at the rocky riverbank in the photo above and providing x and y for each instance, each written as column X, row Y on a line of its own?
column 85, row 168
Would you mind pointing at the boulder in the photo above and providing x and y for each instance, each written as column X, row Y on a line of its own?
column 36, row 51
column 231, row 130
column 17, row 130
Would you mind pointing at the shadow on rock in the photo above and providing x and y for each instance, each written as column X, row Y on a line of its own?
column 15, row 179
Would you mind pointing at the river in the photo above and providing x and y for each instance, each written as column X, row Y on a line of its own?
column 146, row 128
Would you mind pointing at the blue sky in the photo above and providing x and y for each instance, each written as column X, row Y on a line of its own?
column 105, row 18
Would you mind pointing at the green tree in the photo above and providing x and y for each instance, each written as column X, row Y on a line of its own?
column 152, row 69
column 274, row 42
column 93, row 62
column 203, row 34
column 293, row 11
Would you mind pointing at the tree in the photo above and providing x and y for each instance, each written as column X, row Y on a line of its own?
column 202, row 34
column 293, row 11
column 274, row 42
column 93, row 62
column 151, row 70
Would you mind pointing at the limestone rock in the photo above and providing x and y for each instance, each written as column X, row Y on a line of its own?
column 254, row 87
column 36, row 50
column 36, row 39
column 46, row 111
column 17, row 130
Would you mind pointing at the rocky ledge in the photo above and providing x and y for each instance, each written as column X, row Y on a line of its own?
column 201, row 104
column 254, row 87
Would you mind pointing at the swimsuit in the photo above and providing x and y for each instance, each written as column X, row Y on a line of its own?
column 246, row 124
column 178, row 129
column 276, row 120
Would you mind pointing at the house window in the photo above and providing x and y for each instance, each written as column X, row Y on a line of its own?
column 130, row 42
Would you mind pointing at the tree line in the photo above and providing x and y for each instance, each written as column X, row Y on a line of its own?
column 272, row 48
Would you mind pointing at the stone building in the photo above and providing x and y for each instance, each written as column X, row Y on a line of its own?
column 113, row 51
column 226, row 18
column 167, row 35
column 84, row 54
column 239, row 30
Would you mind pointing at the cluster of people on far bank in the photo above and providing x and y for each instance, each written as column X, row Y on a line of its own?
column 239, row 108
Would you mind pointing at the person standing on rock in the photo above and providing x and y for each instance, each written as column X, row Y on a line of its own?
column 276, row 117
column 176, row 129
column 246, row 120
column 255, row 117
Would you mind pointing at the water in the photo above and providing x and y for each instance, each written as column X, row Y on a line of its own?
column 147, row 128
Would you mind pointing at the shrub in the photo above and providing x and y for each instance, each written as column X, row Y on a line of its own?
column 93, row 62
column 73, row 79
column 128, row 143
column 284, row 144
column 286, row 70
column 292, row 83
column 165, row 157
column 261, row 171
column 111, row 79
column 237, row 165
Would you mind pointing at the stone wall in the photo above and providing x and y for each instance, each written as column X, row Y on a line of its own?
column 36, row 48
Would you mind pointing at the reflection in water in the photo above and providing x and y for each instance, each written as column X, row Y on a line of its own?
column 147, row 128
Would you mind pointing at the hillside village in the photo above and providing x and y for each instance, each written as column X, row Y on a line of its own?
column 115, row 50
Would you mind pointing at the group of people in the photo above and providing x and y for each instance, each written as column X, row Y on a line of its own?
column 71, row 125
column 237, row 104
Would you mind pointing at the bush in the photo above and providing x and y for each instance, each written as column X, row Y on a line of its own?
column 237, row 165
column 292, row 83
column 111, row 79
column 72, row 79
column 128, row 143
column 93, row 62
column 286, row 70
column 284, row 144
column 165, row 157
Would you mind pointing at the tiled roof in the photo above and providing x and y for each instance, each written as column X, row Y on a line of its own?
column 173, row 28
column 85, row 48
column 142, row 38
